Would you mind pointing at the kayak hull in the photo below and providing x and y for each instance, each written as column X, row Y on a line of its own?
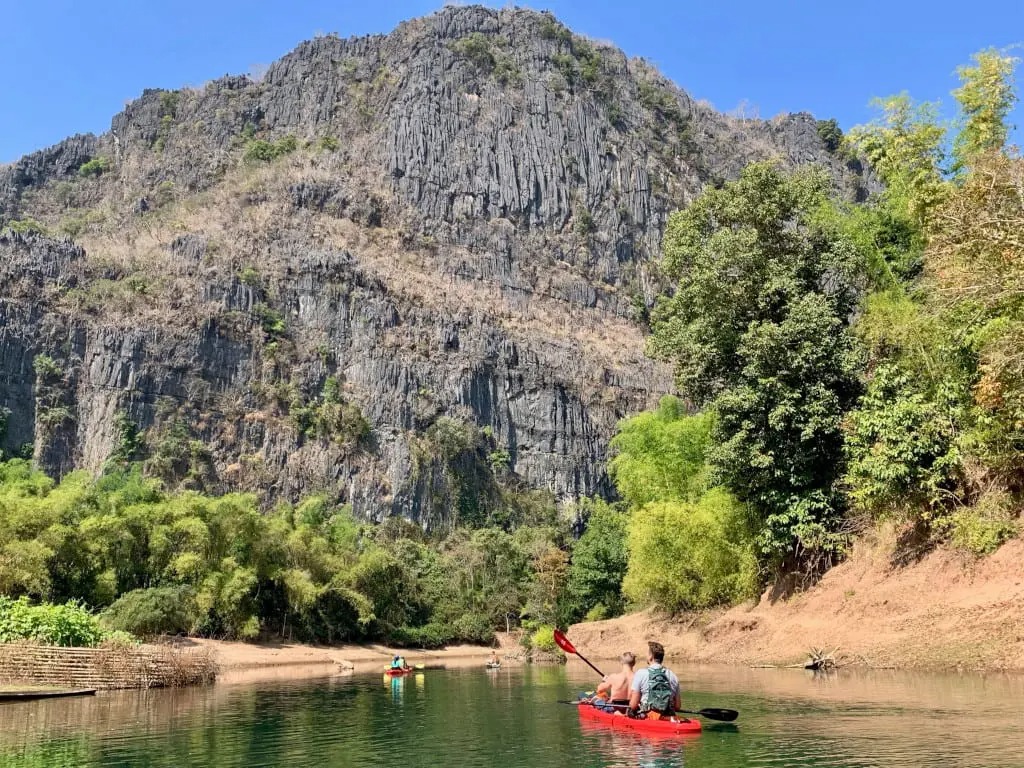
column 398, row 672
column 680, row 727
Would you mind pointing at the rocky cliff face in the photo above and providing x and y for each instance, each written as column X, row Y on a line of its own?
column 408, row 270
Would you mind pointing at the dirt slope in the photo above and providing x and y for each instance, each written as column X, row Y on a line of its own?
column 943, row 612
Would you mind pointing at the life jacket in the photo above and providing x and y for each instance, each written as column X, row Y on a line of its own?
column 659, row 690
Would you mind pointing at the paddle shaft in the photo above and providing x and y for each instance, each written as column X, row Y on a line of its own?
column 563, row 642
column 585, row 661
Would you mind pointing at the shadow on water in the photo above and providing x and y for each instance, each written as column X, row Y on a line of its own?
column 721, row 728
column 508, row 717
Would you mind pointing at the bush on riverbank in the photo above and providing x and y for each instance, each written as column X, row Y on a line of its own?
column 69, row 625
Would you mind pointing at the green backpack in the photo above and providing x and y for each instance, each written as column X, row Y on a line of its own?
column 659, row 690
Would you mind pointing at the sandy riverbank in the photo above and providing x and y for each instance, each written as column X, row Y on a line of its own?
column 245, row 662
column 944, row 612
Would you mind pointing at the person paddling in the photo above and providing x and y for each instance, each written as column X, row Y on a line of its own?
column 614, row 689
column 655, row 691
column 399, row 663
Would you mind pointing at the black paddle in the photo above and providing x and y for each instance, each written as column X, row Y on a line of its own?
column 711, row 713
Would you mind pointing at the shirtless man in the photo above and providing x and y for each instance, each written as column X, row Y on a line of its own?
column 615, row 688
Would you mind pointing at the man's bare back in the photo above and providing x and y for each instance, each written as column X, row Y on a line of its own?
column 615, row 687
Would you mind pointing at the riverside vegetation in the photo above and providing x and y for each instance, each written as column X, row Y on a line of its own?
column 849, row 363
column 838, row 363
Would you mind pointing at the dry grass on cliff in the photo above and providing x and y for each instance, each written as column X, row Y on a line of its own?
column 242, row 217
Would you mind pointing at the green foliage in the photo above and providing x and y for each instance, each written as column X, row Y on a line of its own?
column 169, row 101
column 542, row 638
column 905, row 147
column 551, row 29
column 95, row 167
column 330, row 416
column 68, row 625
column 589, row 61
column 690, row 555
column 938, row 438
column 758, row 331
column 661, row 455
column 175, row 456
column 328, row 144
column 902, row 445
column 891, row 244
column 47, row 369
column 153, row 611
column 830, row 134
column 660, row 100
column 981, row 528
column 598, row 613
column 262, row 151
column 505, row 70
column 251, row 276
column 128, row 441
column 429, row 636
column 986, row 97
column 566, row 65
column 689, row 546
column 499, row 461
column 271, row 320
column 186, row 562
column 26, row 226
column 585, row 224
column 598, row 563
column 476, row 48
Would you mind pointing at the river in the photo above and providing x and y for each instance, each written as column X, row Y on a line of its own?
column 510, row 719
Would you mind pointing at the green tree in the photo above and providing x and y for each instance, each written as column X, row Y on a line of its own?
column 690, row 555
column 598, row 563
column 758, row 330
column 986, row 96
column 661, row 455
column 905, row 147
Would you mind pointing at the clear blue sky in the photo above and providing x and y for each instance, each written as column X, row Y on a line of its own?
column 69, row 65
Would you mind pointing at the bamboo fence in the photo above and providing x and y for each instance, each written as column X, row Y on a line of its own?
column 106, row 667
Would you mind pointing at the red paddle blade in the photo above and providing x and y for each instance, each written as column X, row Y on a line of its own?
column 563, row 642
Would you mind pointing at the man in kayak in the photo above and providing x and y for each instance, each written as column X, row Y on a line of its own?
column 655, row 690
column 399, row 663
column 614, row 689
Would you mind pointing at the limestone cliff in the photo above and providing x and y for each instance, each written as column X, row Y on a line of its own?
column 408, row 270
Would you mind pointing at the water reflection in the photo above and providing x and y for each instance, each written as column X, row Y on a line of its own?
column 625, row 750
column 509, row 718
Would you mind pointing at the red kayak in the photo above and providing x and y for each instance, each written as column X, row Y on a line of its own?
column 677, row 725
column 398, row 672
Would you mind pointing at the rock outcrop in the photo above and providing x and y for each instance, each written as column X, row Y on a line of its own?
column 312, row 282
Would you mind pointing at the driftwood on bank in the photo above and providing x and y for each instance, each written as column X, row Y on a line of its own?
column 106, row 667
column 818, row 661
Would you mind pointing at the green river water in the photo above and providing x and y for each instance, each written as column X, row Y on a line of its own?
column 510, row 718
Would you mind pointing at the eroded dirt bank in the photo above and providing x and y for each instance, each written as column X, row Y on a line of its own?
column 943, row 612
